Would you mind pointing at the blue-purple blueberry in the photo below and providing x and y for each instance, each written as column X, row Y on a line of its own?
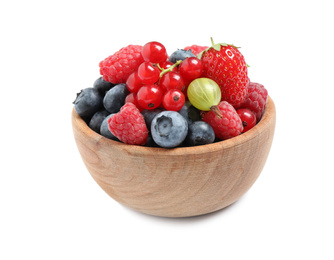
column 180, row 55
column 104, row 129
column 149, row 114
column 102, row 86
column 115, row 98
column 88, row 102
column 97, row 119
column 199, row 133
column 190, row 113
column 169, row 129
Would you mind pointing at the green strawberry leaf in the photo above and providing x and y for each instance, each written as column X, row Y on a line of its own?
column 235, row 46
column 199, row 55
column 217, row 46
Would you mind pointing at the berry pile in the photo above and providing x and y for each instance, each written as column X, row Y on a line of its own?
column 195, row 96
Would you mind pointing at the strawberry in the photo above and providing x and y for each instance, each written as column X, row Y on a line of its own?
column 224, row 64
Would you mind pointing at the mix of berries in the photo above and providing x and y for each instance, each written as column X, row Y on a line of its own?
column 195, row 96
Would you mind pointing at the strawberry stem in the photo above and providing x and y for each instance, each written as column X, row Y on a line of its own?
column 212, row 42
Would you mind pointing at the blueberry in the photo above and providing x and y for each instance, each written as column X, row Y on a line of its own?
column 200, row 133
column 150, row 142
column 149, row 114
column 96, row 120
column 104, row 129
column 88, row 102
column 180, row 55
column 115, row 98
column 169, row 129
column 190, row 113
column 102, row 86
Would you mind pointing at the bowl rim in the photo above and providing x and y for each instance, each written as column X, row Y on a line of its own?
column 268, row 115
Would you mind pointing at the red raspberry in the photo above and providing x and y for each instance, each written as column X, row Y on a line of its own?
column 256, row 99
column 230, row 125
column 118, row 67
column 128, row 125
column 196, row 49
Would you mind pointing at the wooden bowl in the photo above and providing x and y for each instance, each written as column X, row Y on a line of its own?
column 179, row 182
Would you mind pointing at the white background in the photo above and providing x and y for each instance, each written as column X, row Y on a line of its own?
column 50, row 206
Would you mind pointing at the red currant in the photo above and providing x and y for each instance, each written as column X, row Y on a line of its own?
column 147, row 73
column 149, row 96
column 133, row 82
column 132, row 98
column 247, row 117
column 173, row 100
column 171, row 80
column 191, row 68
column 154, row 52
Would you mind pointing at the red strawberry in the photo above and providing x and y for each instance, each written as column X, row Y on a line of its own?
column 224, row 64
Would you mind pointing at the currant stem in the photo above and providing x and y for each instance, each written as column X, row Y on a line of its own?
column 170, row 68
column 158, row 65
column 215, row 109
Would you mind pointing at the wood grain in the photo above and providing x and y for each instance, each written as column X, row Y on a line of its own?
column 179, row 182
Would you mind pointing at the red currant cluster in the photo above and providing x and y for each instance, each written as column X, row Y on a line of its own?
column 158, row 81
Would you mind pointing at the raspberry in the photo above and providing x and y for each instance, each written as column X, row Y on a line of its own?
column 256, row 99
column 230, row 125
column 118, row 67
column 128, row 125
column 196, row 49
